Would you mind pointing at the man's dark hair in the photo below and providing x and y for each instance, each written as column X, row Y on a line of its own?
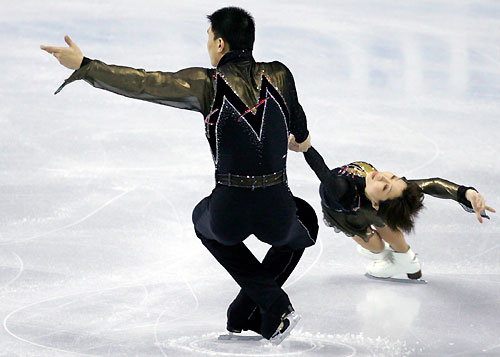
column 400, row 212
column 235, row 26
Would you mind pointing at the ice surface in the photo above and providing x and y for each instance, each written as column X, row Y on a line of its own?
column 97, row 252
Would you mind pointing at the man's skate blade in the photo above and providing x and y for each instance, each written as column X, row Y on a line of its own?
column 233, row 337
column 293, row 322
column 397, row 280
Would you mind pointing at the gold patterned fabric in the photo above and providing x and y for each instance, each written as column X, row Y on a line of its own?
column 438, row 187
column 357, row 168
column 190, row 88
column 195, row 88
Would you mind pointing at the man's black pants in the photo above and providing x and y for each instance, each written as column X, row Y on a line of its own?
column 261, row 301
column 288, row 223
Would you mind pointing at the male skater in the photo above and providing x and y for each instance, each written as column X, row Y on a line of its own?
column 250, row 109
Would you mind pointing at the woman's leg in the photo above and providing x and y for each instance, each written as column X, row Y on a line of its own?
column 403, row 260
column 395, row 239
column 374, row 244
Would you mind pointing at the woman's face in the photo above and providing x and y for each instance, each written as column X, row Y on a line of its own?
column 381, row 186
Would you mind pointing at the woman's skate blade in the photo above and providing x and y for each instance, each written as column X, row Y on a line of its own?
column 397, row 280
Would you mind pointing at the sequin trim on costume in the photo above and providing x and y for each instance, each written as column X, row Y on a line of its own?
column 254, row 117
column 358, row 168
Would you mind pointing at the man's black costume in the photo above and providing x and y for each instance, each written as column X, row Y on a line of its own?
column 249, row 109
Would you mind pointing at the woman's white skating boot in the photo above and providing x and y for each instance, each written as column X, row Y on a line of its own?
column 375, row 256
column 396, row 263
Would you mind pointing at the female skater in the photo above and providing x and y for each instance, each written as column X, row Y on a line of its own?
column 375, row 207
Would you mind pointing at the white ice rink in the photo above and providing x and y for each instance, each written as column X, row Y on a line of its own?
column 98, row 256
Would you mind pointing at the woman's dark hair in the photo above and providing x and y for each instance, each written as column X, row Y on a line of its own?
column 235, row 26
column 400, row 212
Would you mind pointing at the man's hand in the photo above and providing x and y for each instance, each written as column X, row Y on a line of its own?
column 70, row 57
column 302, row 147
column 478, row 203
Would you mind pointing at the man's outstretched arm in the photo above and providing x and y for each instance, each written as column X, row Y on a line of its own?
column 190, row 88
column 70, row 57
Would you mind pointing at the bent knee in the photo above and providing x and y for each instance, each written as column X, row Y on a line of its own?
column 373, row 244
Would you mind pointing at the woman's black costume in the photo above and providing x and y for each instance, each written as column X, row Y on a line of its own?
column 345, row 205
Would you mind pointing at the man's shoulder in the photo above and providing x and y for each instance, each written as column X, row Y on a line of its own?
column 197, row 72
column 276, row 69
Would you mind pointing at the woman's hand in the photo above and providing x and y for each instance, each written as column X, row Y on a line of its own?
column 302, row 147
column 70, row 57
column 478, row 203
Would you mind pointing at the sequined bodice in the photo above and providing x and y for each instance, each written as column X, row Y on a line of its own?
column 249, row 107
column 356, row 169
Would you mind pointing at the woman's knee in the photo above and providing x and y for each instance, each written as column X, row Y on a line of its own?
column 373, row 243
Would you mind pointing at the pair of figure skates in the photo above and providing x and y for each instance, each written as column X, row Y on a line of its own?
column 389, row 263
column 384, row 265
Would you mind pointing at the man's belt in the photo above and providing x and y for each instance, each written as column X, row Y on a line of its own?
column 251, row 181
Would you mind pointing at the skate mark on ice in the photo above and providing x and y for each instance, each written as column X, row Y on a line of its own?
column 418, row 339
column 298, row 343
column 474, row 279
column 75, row 298
column 489, row 349
column 375, row 118
column 21, row 269
column 437, row 151
column 209, row 344
column 291, row 283
column 236, row 337
column 171, row 267
column 197, row 305
column 73, row 295
column 431, row 160
column 479, row 254
column 487, row 56
column 97, row 293
column 358, row 344
column 41, row 235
